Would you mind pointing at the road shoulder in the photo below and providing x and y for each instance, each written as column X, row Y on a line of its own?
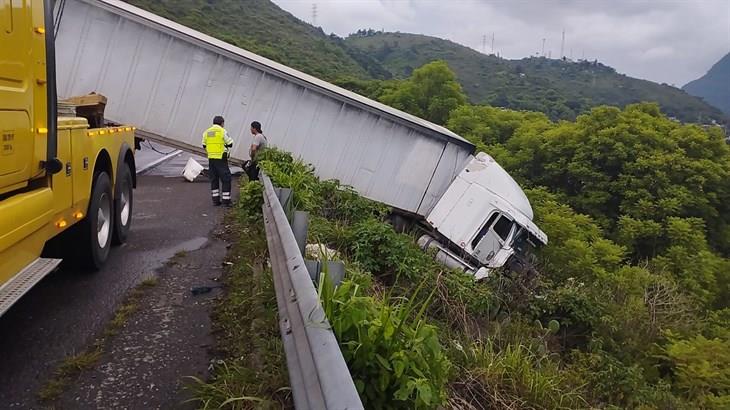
column 168, row 338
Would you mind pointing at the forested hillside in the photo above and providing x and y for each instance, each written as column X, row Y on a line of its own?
column 714, row 87
column 560, row 89
column 262, row 27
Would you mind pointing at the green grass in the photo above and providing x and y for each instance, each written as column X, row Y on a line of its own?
column 514, row 375
column 70, row 367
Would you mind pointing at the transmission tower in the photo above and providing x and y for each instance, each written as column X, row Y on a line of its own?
column 562, row 46
column 314, row 14
column 484, row 44
column 543, row 47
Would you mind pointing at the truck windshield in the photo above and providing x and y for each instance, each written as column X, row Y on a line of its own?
column 525, row 243
column 502, row 227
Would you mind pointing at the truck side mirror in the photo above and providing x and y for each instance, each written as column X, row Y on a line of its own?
column 52, row 166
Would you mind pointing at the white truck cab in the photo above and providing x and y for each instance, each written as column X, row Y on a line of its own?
column 484, row 213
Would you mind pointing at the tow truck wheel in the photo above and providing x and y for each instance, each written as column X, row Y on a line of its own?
column 122, row 206
column 99, row 223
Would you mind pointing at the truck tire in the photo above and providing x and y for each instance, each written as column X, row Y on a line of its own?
column 123, row 200
column 400, row 223
column 98, row 225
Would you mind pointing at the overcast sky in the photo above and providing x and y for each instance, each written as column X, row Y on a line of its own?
column 661, row 40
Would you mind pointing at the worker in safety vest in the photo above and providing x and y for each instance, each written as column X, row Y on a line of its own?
column 217, row 143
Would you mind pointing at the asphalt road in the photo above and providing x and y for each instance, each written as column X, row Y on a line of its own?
column 66, row 311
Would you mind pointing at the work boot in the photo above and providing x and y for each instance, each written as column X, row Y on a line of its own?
column 227, row 203
column 216, row 202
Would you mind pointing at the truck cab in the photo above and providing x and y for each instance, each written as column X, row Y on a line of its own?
column 485, row 214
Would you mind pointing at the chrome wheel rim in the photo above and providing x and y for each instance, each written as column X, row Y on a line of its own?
column 103, row 220
column 125, row 205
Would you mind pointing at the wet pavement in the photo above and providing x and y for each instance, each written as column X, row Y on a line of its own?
column 69, row 309
column 152, row 360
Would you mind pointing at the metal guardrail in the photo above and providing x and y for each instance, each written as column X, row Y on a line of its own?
column 318, row 373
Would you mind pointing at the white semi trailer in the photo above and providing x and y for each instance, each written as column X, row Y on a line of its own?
column 170, row 81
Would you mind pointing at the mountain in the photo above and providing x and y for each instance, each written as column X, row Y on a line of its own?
column 260, row 26
column 560, row 88
column 714, row 87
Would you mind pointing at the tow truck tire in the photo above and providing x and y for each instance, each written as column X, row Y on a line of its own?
column 98, row 225
column 123, row 200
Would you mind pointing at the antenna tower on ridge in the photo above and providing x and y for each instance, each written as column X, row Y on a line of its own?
column 543, row 47
column 562, row 46
column 314, row 14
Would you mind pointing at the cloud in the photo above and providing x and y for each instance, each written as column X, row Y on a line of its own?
column 661, row 40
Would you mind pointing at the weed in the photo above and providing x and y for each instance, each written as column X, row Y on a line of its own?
column 515, row 374
column 180, row 254
column 70, row 367
column 395, row 357
column 149, row 283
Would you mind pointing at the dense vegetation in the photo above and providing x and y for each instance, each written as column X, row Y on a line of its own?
column 631, row 306
column 714, row 87
column 561, row 89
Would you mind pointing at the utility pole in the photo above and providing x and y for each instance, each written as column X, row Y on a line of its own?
column 492, row 42
column 562, row 46
column 314, row 14
column 543, row 47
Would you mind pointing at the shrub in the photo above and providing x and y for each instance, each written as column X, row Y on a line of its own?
column 251, row 199
column 701, row 369
column 395, row 357
column 379, row 249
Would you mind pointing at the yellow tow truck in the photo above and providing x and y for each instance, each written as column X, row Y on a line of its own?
column 65, row 188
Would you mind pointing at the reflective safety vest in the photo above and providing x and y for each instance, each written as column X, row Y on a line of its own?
column 214, row 141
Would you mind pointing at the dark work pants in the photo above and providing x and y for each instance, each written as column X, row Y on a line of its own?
column 219, row 172
column 253, row 171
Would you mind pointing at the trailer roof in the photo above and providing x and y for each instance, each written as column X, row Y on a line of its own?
column 428, row 128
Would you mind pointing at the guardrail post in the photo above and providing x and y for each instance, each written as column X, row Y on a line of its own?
column 300, row 227
column 335, row 270
column 285, row 199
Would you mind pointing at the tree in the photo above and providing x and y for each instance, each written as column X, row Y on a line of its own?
column 432, row 92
